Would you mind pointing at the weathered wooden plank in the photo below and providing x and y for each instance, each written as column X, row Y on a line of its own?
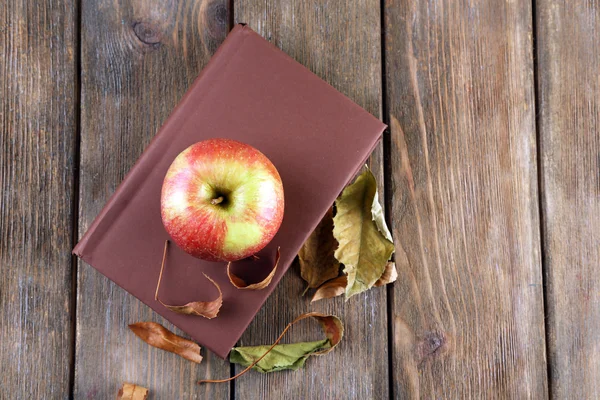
column 467, row 309
column 138, row 58
column 569, row 125
column 37, row 144
column 340, row 41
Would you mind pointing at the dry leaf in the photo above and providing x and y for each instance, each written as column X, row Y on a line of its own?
column 336, row 287
column 333, row 288
column 206, row 309
column 241, row 284
column 317, row 262
column 286, row 356
column 130, row 391
column 389, row 275
column 379, row 218
column 158, row 336
column 363, row 248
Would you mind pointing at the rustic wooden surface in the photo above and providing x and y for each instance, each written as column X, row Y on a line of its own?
column 138, row 58
column 37, row 141
column 569, row 127
column 474, row 196
column 340, row 41
column 467, row 309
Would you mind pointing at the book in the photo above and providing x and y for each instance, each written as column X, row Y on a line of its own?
column 252, row 92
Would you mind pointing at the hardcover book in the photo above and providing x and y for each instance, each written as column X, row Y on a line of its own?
column 252, row 92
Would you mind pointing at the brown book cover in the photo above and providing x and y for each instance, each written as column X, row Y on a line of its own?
column 252, row 92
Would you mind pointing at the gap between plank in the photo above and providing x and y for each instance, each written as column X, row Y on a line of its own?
column 230, row 15
column 387, row 193
column 540, row 187
column 75, row 194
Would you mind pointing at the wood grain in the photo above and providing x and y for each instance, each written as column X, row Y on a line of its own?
column 569, row 129
column 37, row 137
column 138, row 58
column 339, row 41
column 467, row 307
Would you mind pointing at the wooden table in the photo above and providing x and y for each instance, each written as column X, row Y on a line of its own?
column 490, row 173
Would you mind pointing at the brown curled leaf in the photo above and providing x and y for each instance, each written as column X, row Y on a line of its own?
column 337, row 287
column 206, row 309
column 241, row 284
column 390, row 274
column 332, row 326
column 333, row 288
column 316, row 256
column 160, row 337
column 130, row 391
column 286, row 356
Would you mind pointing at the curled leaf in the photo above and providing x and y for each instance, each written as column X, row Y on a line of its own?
column 390, row 274
column 333, row 288
column 286, row 356
column 130, row 391
column 332, row 326
column 363, row 248
column 206, row 309
column 317, row 261
column 337, row 286
column 379, row 218
column 160, row 337
column 241, row 284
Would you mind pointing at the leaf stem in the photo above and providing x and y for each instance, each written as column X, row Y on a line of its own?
column 162, row 266
column 305, row 290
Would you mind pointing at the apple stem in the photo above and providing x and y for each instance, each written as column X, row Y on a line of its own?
column 216, row 201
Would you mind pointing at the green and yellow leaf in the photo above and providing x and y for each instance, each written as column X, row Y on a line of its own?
column 283, row 356
column 278, row 357
column 364, row 240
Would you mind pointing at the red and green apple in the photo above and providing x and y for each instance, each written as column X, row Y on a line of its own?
column 222, row 200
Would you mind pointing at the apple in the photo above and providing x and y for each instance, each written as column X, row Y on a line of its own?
column 222, row 200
